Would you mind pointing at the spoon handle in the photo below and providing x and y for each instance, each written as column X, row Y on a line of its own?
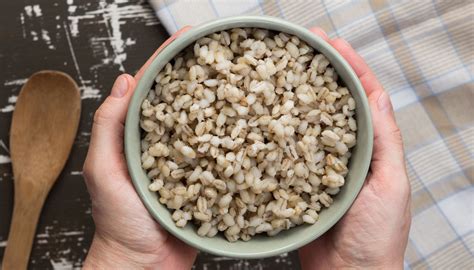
column 26, row 211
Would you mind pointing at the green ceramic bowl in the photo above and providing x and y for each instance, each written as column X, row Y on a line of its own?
column 262, row 245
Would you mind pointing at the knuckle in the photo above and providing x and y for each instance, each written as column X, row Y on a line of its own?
column 397, row 136
column 396, row 133
column 99, row 115
column 87, row 169
column 102, row 114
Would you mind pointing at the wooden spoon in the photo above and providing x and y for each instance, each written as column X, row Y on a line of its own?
column 42, row 132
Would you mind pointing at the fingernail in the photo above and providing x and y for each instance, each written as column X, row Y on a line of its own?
column 120, row 87
column 383, row 103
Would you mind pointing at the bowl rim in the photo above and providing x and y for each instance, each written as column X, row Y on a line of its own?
column 271, row 23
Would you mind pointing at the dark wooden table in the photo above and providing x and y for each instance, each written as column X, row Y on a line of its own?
column 93, row 41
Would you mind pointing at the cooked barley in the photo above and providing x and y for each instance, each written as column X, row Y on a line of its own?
column 247, row 131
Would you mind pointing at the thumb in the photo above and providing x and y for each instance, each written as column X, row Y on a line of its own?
column 388, row 145
column 107, row 130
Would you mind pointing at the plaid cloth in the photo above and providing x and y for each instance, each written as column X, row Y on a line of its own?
column 422, row 52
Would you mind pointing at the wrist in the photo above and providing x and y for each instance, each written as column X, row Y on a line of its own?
column 342, row 265
column 106, row 254
column 322, row 260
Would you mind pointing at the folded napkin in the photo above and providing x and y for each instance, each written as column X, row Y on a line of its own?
column 422, row 52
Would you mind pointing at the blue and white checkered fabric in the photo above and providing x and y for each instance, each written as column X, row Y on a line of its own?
column 422, row 52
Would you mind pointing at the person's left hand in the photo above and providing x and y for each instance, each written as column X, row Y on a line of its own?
column 126, row 236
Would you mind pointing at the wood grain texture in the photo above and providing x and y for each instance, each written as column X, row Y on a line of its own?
column 94, row 42
column 44, row 125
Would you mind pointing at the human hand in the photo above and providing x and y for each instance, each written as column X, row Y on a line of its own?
column 126, row 236
column 374, row 232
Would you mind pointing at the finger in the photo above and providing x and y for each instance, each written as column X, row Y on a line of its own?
column 388, row 145
column 166, row 43
column 320, row 32
column 365, row 74
column 351, row 56
column 107, row 130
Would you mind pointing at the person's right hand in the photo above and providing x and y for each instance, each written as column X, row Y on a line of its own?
column 374, row 232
